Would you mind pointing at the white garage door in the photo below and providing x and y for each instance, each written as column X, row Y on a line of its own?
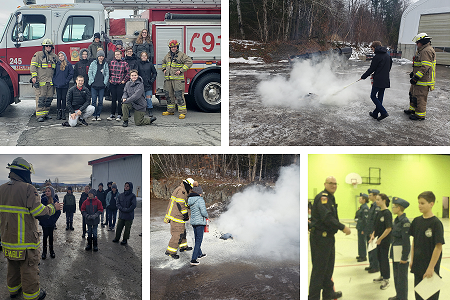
column 438, row 27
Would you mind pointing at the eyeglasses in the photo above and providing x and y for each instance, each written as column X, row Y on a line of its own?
column 332, row 183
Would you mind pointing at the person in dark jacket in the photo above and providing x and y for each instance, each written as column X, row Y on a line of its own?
column 98, row 80
column 111, row 206
column 101, row 195
column 380, row 67
column 143, row 43
column 91, row 210
column 147, row 71
column 69, row 208
column 126, row 205
column 83, row 197
column 95, row 45
column 361, row 215
column 133, row 97
column 61, row 78
column 130, row 58
column 48, row 225
column 109, row 184
column 82, row 67
column 78, row 104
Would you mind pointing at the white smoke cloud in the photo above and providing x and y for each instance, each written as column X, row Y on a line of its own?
column 266, row 222
column 311, row 76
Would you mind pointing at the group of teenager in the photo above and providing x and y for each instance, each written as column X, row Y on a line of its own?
column 124, row 75
column 92, row 205
column 376, row 227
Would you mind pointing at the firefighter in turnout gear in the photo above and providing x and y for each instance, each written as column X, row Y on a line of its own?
column 42, row 68
column 174, row 64
column 423, row 77
column 20, row 204
column 177, row 215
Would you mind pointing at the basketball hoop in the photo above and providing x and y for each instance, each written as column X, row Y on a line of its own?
column 353, row 179
column 355, row 183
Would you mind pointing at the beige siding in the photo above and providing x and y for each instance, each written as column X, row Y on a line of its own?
column 438, row 27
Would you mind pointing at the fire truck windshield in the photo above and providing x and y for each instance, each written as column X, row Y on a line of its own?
column 6, row 26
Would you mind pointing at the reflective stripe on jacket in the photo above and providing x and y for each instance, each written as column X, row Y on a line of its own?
column 43, row 67
column 177, row 206
column 179, row 62
column 424, row 66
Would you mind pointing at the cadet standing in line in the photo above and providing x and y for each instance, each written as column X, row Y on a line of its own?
column 400, row 234
column 362, row 214
column 324, row 224
column 20, row 204
column 177, row 215
column 374, row 266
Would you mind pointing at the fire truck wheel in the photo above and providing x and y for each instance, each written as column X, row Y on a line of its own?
column 5, row 95
column 207, row 92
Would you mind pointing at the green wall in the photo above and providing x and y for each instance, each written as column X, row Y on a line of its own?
column 404, row 176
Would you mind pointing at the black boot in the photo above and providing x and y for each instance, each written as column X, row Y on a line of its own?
column 52, row 253
column 58, row 114
column 44, row 252
column 67, row 225
column 71, row 226
column 150, row 112
column 95, row 245
column 89, row 245
column 63, row 114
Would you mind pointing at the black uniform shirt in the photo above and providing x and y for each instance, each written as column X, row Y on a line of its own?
column 400, row 235
column 427, row 233
column 324, row 215
column 383, row 221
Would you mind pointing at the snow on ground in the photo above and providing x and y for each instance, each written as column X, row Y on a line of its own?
column 402, row 61
column 250, row 60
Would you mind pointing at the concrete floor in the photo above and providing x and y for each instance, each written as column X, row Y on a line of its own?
column 356, row 284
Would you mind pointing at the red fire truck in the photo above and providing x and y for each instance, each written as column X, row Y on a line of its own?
column 195, row 24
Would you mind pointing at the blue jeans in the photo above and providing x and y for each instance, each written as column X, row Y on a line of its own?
column 111, row 216
column 198, row 233
column 92, row 231
column 148, row 97
column 97, row 93
column 378, row 101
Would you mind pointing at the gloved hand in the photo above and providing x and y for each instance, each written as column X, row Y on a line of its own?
column 414, row 80
column 411, row 75
column 185, row 217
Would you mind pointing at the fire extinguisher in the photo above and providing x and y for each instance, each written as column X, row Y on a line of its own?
column 207, row 225
column 371, row 79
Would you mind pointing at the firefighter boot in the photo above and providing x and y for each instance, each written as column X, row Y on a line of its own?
column 174, row 256
column 42, row 295
column 63, row 114
column 52, row 253
column 186, row 249
column 89, row 245
column 167, row 113
column 58, row 114
column 44, row 252
column 95, row 245
column 181, row 116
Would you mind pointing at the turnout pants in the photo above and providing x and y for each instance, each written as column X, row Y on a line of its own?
column 361, row 244
column 139, row 116
column 24, row 274
column 44, row 98
column 401, row 280
column 173, row 89
column 418, row 100
column 322, row 257
column 178, row 239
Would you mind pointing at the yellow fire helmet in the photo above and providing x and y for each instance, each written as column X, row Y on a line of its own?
column 21, row 164
column 189, row 181
column 421, row 36
column 47, row 42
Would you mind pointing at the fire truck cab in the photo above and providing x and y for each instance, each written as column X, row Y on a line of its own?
column 71, row 27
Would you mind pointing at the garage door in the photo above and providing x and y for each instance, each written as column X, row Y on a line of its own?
column 437, row 26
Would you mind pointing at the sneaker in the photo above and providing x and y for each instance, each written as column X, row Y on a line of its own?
column 94, row 119
column 201, row 256
column 152, row 119
column 115, row 241
column 83, row 121
column 125, row 124
column 373, row 116
column 98, row 118
column 111, row 117
column 65, row 124
column 186, row 249
column 385, row 284
column 378, row 280
column 383, row 117
column 195, row 262
column 119, row 118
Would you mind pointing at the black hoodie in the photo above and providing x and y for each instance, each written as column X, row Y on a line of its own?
column 127, row 203
column 82, row 68
column 380, row 67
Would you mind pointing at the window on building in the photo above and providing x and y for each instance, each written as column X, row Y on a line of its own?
column 78, row 28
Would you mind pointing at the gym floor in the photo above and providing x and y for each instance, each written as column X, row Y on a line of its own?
column 356, row 284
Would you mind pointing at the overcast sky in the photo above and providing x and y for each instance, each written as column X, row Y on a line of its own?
column 67, row 168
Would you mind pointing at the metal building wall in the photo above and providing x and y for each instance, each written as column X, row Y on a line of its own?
column 119, row 171
column 438, row 27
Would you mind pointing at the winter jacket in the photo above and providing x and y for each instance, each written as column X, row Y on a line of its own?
column 82, row 67
column 70, row 205
column 101, row 195
column 61, row 79
column 78, row 99
column 43, row 66
column 177, row 210
column 93, row 70
column 148, row 73
column 132, row 62
column 126, row 204
column 83, row 197
column 362, row 214
column 147, row 47
column 111, row 200
column 174, row 62
column 118, row 71
column 91, row 210
column 111, row 49
column 20, row 205
column 93, row 48
column 198, row 209
column 380, row 67
column 51, row 221
column 424, row 66
column 134, row 93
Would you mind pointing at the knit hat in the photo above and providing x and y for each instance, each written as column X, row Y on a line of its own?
column 69, row 188
column 100, row 53
column 92, row 191
column 197, row 189
column 114, row 186
column 96, row 35
column 100, row 184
